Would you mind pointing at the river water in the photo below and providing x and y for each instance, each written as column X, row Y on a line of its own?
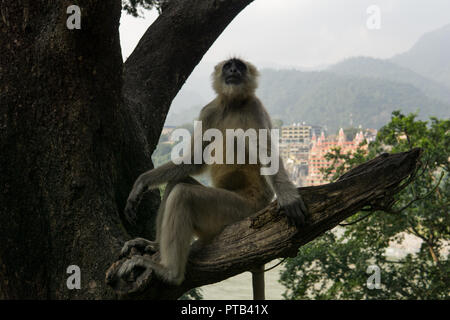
column 240, row 287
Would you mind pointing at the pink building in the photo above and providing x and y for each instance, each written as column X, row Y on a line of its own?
column 320, row 147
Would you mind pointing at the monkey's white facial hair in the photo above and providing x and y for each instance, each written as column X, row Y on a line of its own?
column 235, row 91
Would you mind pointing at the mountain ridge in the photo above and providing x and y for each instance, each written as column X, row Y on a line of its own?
column 429, row 56
column 362, row 89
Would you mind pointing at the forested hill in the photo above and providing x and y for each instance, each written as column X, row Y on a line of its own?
column 384, row 69
column 326, row 98
column 369, row 89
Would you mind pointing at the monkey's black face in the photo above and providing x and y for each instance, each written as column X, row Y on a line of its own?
column 233, row 71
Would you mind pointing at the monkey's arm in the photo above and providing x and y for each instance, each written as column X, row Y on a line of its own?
column 289, row 200
column 153, row 178
column 170, row 171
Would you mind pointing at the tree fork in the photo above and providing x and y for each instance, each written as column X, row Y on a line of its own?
column 72, row 136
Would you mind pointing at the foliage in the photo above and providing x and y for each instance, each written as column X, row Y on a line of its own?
column 135, row 7
column 343, row 162
column 162, row 152
column 350, row 133
column 193, row 294
column 334, row 266
column 277, row 123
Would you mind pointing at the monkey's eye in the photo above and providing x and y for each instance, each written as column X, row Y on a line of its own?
column 227, row 65
column 240, row 65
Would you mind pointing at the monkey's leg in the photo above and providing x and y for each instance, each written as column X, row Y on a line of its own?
column 148, row 246
column 175, row 236
column 215, row 208
column 167, row 191
column 190, row 209
column 194, row 209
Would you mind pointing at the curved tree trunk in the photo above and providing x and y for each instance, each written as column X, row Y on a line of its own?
column 73, row 138
column 59, row 156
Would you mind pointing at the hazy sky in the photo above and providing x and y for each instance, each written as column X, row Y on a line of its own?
column 312, row 33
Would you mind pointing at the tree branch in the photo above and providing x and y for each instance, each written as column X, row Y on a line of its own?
column 266, row 235
column 152, row 76
column 166, row 55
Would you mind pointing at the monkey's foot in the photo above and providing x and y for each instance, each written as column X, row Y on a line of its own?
column 168, row 275
column 130, row 264
column 138, row 245
column 138, row 263
column 128, row 276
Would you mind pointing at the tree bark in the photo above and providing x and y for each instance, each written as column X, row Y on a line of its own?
column 266, row 235
column 59, row 161
column 71, row 144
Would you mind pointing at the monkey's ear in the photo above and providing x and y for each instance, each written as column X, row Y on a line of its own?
column 215, row 77
column 217, row 71
column 252, row 70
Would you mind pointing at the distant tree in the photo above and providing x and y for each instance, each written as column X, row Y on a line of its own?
column 163, row 138
column 277, row 123
column 335, row 265
column 136, row 7
column 193, row 294
column 350, row 133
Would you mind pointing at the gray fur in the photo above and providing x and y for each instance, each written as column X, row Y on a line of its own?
column 190, row 209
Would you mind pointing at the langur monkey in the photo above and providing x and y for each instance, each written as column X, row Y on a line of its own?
column 188, row 208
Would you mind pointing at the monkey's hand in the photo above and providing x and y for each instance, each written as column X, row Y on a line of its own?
column 133, row 201
column 294, row 208
column 138, row 244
